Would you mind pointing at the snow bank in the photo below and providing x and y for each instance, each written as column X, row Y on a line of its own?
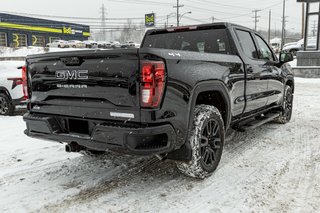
column 293, row 63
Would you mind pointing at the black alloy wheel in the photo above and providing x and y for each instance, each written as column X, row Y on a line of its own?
column 210, row 144
column 5, row 105
column 287, row 106
column 206, row 141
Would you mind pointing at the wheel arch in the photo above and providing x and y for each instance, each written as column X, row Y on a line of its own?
column 212, row 86
column 5, row 91
column 218, row 96
column 290, row 82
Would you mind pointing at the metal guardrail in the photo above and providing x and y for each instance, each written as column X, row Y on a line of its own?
column 15, row 58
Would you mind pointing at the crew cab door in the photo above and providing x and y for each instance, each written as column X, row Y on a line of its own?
column 273, row 74
column 256, row 94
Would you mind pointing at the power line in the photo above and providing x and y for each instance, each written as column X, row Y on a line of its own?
column 246, row 14
column 209, row 10
column 68, row 17
column 197, row 20
column 141, row 2
column 214, row 3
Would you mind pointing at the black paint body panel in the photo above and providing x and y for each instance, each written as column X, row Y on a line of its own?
column 113, row 86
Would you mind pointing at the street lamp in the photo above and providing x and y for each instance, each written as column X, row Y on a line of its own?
column 184, row 14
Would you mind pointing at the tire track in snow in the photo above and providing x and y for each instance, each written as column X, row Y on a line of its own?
column 105, row 186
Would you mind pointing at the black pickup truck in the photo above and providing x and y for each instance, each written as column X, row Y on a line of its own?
column 175, row 97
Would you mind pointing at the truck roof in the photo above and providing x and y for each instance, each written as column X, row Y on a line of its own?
column 209, row 25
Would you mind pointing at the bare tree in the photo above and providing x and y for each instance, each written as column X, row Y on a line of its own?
column 126, row 32
column 132, row 32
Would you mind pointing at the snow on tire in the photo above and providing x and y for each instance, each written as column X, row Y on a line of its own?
column 206, row 140
column 287, row 105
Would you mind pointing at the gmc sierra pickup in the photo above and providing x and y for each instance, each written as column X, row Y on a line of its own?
column 175, row 97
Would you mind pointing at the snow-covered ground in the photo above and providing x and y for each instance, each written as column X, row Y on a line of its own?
column 274, row 168
column 24, row 51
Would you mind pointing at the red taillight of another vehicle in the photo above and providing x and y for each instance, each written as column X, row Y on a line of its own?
column 152, row 83
column 25, row 82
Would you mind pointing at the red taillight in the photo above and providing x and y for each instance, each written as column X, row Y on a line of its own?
column 25, row 83
column 152, row 83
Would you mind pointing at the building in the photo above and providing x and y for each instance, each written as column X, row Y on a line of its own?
column 21, row 31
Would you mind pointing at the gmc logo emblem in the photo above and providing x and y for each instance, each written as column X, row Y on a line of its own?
column 72, row 74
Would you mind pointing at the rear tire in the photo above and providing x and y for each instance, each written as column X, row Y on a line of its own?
column 6, row 106
column 287, row 105
column 206, row 141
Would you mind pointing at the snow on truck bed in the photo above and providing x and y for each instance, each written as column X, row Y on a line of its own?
column 273, row 168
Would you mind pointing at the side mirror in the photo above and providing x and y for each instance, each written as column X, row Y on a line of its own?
column 285, row 57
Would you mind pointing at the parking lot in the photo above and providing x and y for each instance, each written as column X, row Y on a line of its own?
column 274, row 168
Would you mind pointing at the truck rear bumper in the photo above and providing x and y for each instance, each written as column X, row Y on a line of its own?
column 131, row 140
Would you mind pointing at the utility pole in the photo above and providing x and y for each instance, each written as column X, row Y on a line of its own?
column 103, row 22
column 303, row 17
column 178, row 15
column 212, row 18
column 283, row 24
column 269, row 30
column 256, row 20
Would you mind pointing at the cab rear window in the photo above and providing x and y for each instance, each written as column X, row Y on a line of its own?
column 205, row 41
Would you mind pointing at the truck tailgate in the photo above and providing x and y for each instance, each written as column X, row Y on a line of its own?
column 96, row 84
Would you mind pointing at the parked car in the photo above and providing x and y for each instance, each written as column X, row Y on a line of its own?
column 76, row 44
column 124, row 46
column 115, row 44
column 294, row 47
column 90, row 44
column 133, row 44
column 109, row 45
column 104, row 44
column 13, row 88
column 59, row 44
column 175, row 97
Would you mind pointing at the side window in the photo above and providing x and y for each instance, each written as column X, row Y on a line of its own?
column 264, row 49
column 204, row 41
column 247, row 44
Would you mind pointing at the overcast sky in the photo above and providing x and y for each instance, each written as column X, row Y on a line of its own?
column 237, row 11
